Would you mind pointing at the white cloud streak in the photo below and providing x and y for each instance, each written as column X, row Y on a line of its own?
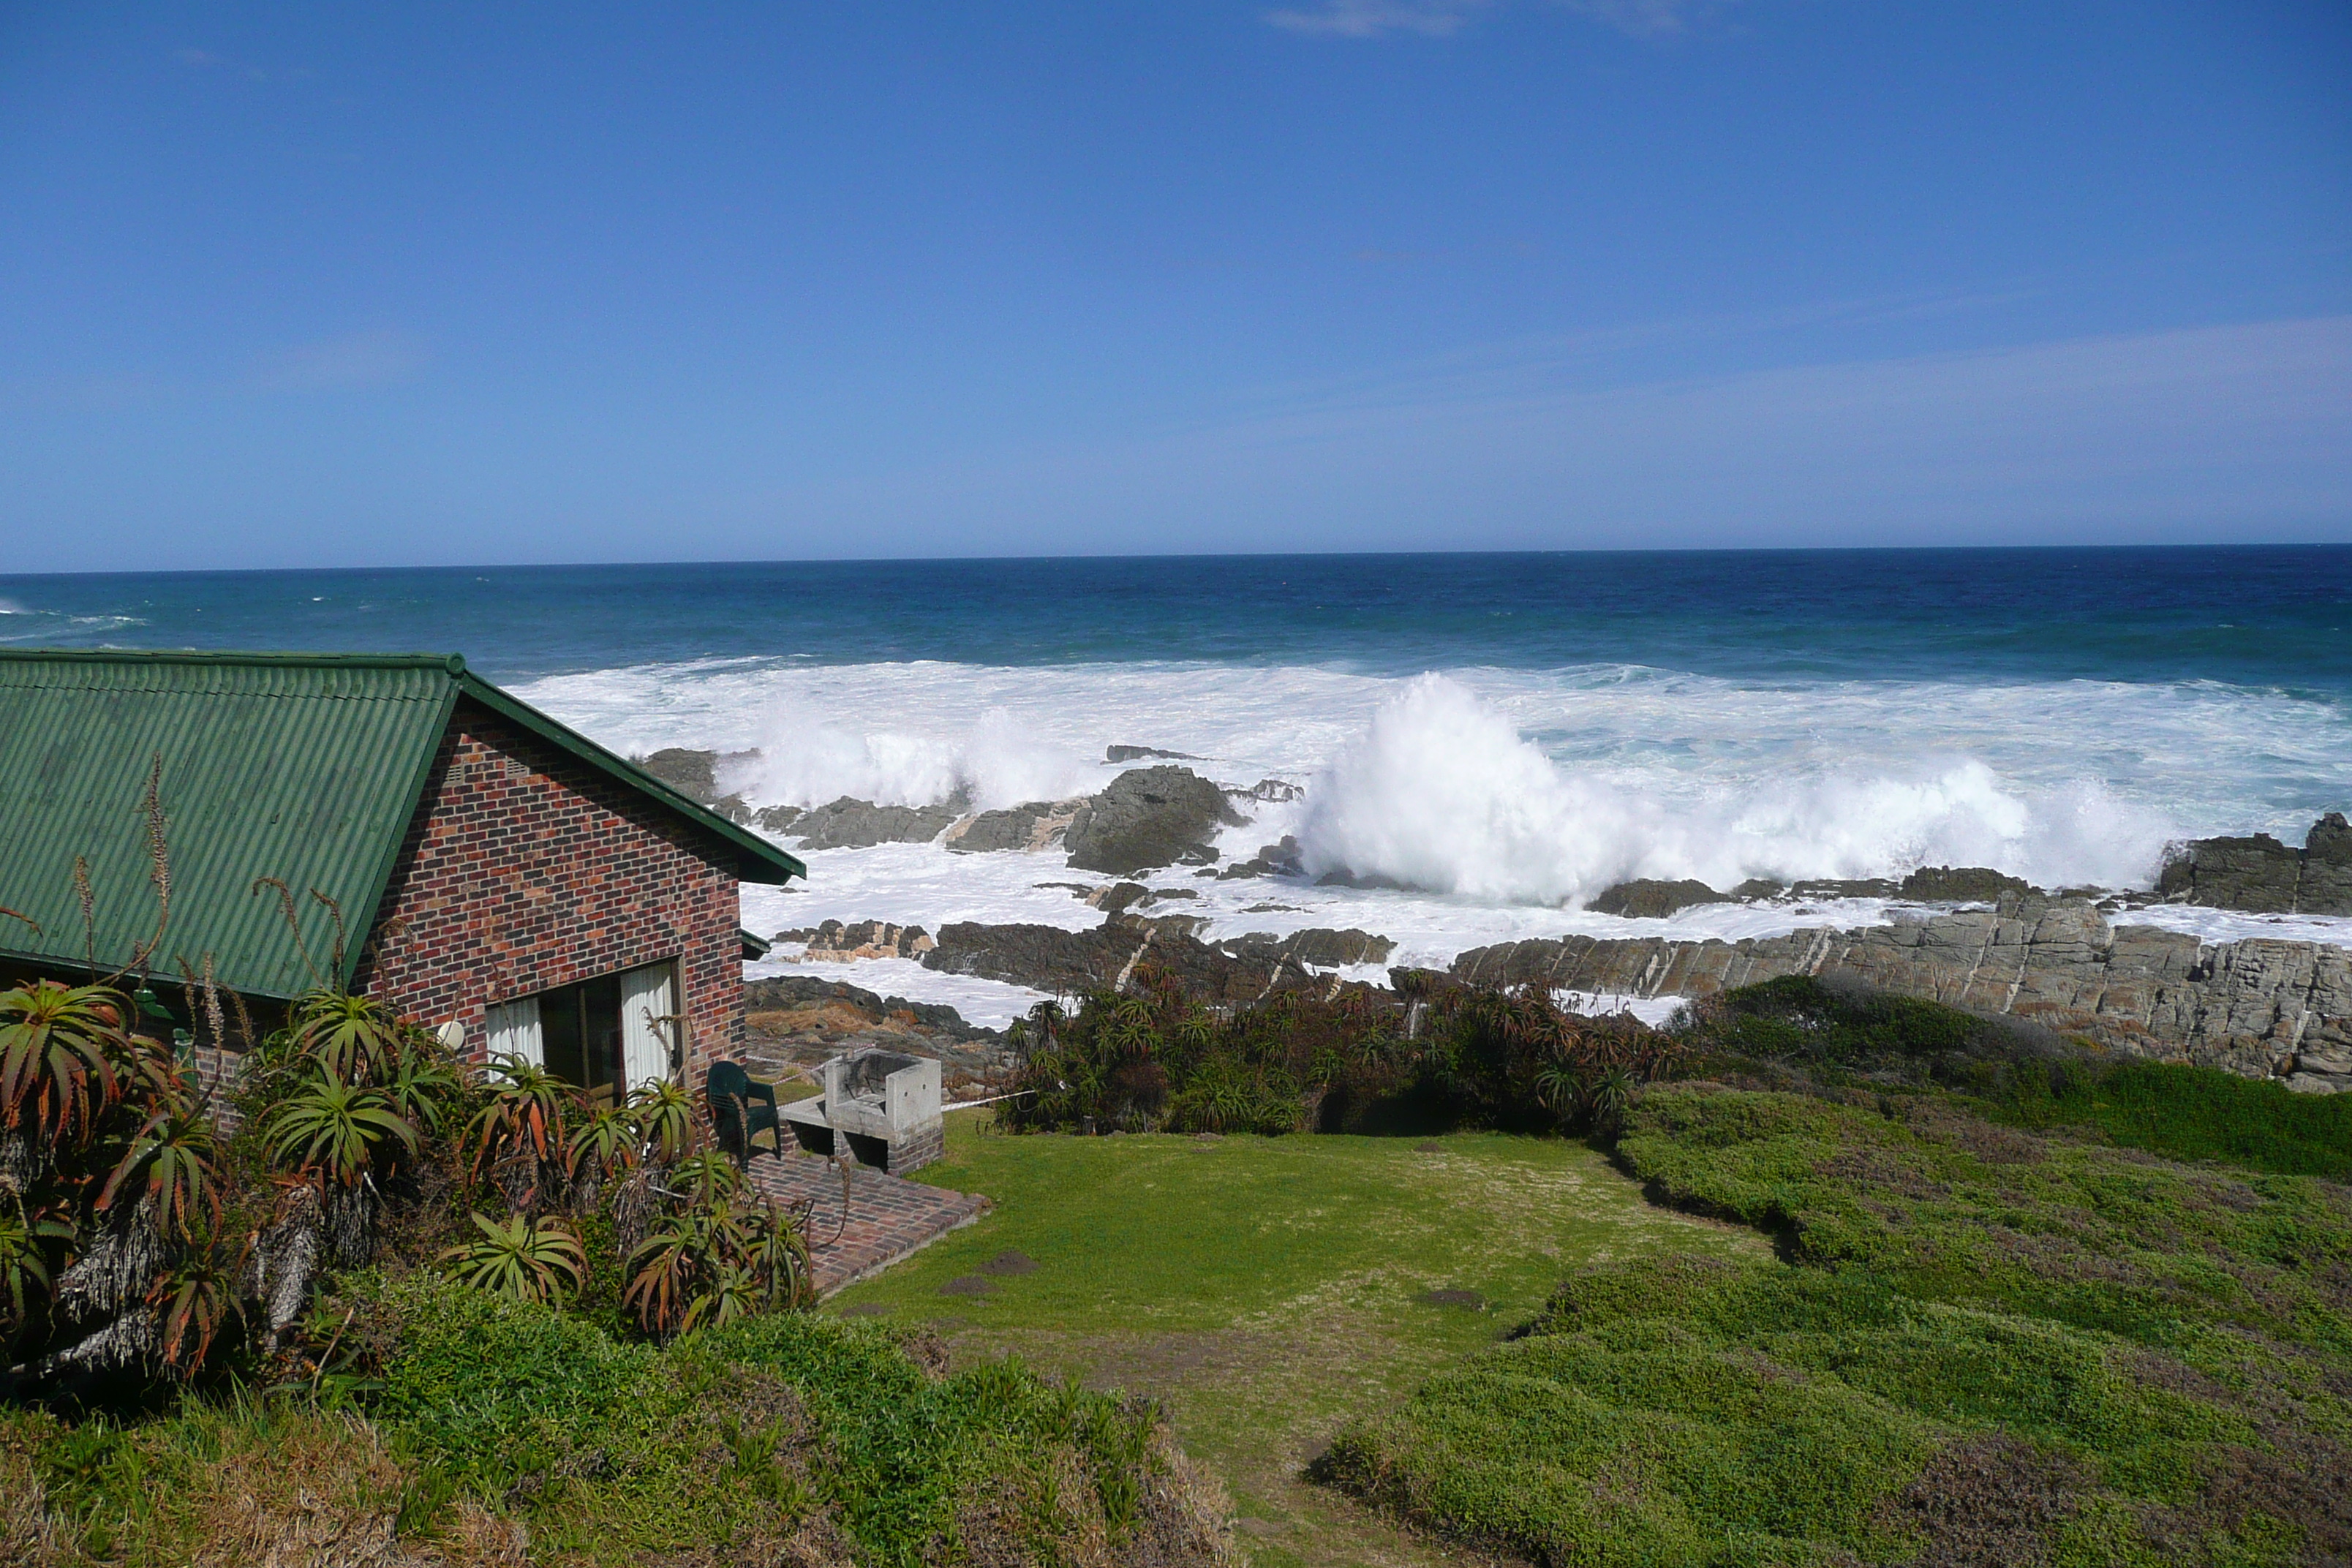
column 2234, row 431
column 1443, row 19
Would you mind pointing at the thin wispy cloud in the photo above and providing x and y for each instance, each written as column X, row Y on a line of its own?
column 1374, row 18
column 354, row 359
column 1443, row 19
column 206, row 61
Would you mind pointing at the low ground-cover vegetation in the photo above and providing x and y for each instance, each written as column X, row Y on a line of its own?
column 2185, row 1113
column 1984, row 1346
column 505, row 1431
column 1796, row 1032
column 1268, row 1289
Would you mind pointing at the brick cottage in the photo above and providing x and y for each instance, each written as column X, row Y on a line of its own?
column 395, row 825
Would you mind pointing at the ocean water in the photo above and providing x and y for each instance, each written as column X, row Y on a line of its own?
column 1506, row 734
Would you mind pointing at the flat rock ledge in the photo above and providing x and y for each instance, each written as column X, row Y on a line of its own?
column 1235, row 971
column 2260, row 1007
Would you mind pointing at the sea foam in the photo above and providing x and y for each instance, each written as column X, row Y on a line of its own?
column 1506, row 797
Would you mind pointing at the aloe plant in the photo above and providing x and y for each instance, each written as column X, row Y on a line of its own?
column 26, row 1234
column 353, row 1038
column 603, row 1145
column 171, row 1160
column 520, row 1258
column 331, row 1130
column 665, row 1116
column 193, row 1302
column 521, row 1126
column 677, row 1263
column 56, row 1048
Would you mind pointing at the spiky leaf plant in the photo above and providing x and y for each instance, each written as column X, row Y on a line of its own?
column 58, row 1045
column 330, row 1132
column 169, row 1159
column 603, row 1143
column 520, row 1131
column 26, row 1237
column 193, row 1302
column 422, row 1084
column 678, row 1263
column 353, row 1038
column 665, row 1116
column 521, row 1259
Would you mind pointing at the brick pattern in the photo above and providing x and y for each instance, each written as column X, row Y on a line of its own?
column 527, row 870
column 887, row 1217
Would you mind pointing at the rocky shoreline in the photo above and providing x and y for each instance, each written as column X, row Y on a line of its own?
column 2069, row 960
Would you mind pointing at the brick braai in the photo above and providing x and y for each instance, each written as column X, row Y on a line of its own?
column 525, row 869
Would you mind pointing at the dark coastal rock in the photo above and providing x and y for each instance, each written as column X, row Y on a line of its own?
column 1858, row 888
column 775, row 818
column 2259, row 873
column 2260, row 1006
column 1646, row 898
column 1237, row 971
column 1759, row 888
column 1031, row 825
column 792, row 1024
column 1269, row 792
column 838, row 942
column 1136, row 753
column 848, row 823
column 1368, row 881
column 692, row 773
column 1961, row 885
column 1279, row 859
column 1322, row 947
column 1150, row 817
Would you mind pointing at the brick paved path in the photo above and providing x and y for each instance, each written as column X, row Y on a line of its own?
column 888, row 1215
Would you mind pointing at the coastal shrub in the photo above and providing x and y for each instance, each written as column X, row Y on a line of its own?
column 506, row 1424
column 2003, row 1347
column 1155, row 1060
column 1799, row 1020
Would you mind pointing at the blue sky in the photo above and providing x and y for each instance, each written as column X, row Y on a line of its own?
column 334, row 285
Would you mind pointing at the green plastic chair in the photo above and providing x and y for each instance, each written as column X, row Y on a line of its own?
column 735, row 1112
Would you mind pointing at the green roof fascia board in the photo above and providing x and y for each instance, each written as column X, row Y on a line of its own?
column 775, row 865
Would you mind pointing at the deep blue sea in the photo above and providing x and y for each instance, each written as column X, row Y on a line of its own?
column 2274, row 617
column 1506, row 734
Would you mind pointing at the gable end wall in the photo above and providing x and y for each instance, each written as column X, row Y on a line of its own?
column 526, row 869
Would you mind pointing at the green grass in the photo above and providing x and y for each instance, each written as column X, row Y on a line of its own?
column 1268, row 1289
column 2188, row 1113
column 2018, row 1348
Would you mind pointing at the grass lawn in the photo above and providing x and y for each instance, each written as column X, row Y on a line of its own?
column 1270, row 1289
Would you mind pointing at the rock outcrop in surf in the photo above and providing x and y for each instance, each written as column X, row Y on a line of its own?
column 2259, row 873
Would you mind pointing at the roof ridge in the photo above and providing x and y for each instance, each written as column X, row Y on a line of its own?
column 455, row 663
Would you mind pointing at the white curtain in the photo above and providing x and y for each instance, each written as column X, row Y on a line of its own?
column 647, row 999
column 513, row 1030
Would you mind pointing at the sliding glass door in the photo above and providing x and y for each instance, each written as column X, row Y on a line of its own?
column 606, row 1036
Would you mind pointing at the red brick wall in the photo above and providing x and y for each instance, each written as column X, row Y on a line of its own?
column 525, row 868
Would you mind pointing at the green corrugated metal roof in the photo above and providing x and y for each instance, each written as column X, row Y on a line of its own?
column 304, row 767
